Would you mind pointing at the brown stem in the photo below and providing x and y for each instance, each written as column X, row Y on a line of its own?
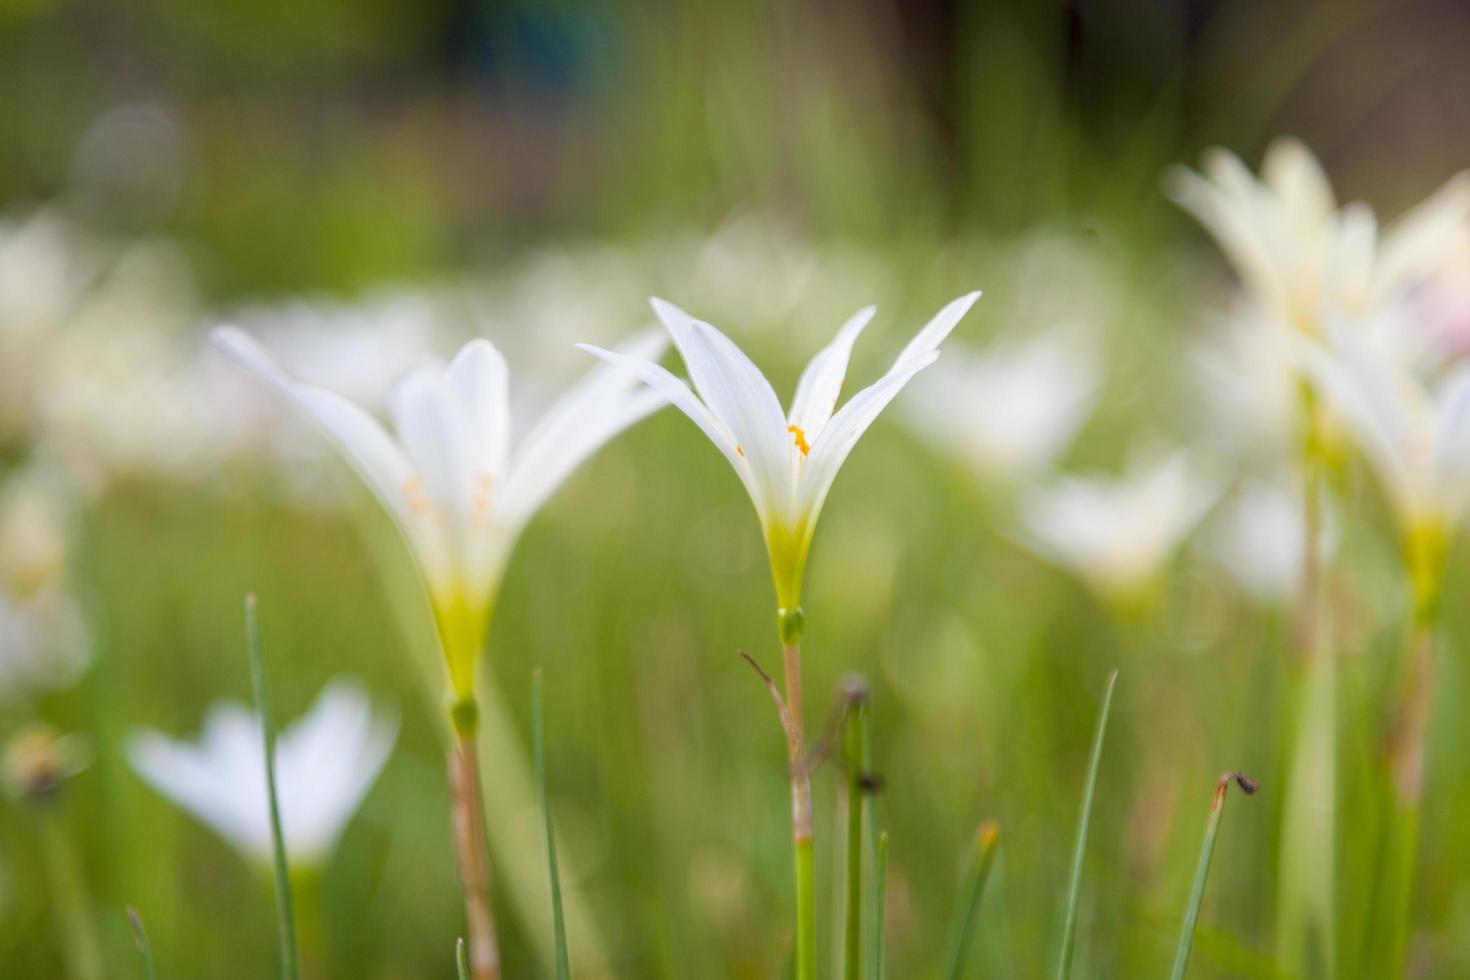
column 801, row 781
column 1406, row 743
column 474, row 866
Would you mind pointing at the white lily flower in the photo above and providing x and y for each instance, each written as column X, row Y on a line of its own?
column 325, row 764
column 1011, row 410
column 786, row 460
column 1416, row 436
column 452, row 482
column 1300, row 256
column 1119, row 532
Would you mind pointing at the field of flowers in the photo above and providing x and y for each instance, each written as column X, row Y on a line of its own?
column 670, row 503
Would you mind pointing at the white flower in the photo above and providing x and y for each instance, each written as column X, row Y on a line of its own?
column 325, row 764
column 787, row 461
column 1300, row 256
column 450, row 479
column 1010, row 410
column 44, row 644
column 1118, row 532
column 43, row 636
column 1416, row 435
column 1259, row 537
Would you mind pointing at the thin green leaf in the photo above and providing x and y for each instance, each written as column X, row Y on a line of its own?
column 855, row 745
column 558, row 921
column 145, row 948
column 880, row 907
column 1202, row 871
column 1079, row 849
column 285, row 913
column 977, row 873
column 461, row 959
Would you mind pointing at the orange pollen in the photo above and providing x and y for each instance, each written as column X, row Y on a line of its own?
column 799, row 437
column 739, row 450
column 481, row 498
column 414, row 491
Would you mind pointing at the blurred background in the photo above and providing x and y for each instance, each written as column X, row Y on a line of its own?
column 367, row 184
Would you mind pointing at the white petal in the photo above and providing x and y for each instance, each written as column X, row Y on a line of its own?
column 219, row 796
column 677, row 393
column 1293, row 173
column 821, row 382
column 362, row 440
column 1452, row 443
column 841, row 434
column 738, row 394
column 932, row 335
column 432, row 431
column 1418, row 242
column 477, row 377
column 609, row 399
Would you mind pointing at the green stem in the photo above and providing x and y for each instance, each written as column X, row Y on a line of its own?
column 558, row 920
column 1201, row 874
column 468, row 823
column 1305, row 872
column 977, row 872
column 1079, row 849
column 73, row 905
column 880, row 908
column 801, row 812
column 858, row 765
column 285, row 913
column 1407, row 751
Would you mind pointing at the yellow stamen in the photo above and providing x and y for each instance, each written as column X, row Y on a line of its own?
column 800, row 438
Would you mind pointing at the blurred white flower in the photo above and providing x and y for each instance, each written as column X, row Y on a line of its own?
column 1259, row 537
column 1119, row 532
column 43, row 637
column 44, row 644
column 42, row 269
column 1442, row 303
column 1301, row 257
column 325, row 764
column 787, row 462
column 1008, row 411
column 1415, row 434
column 450, row 480
column 357, row 349
column 1243, row 381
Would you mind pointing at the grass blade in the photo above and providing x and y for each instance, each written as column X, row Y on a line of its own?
column 1202, row 872
column 977, row 872
column 285, row 912
column 1079, row 849
column 855, row 748
column 880, row 907
column 461, row 959
column 145, row 948
column 558, row 921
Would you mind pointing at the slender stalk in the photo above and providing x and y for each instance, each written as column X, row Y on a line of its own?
column 467, row 817
column 78, row 936
column 1084, row 821
column 880, row 908
column 1407, row 750
column 1202, row 870
column 285, row 912
column 858, row 768
column 1306, row 870
column 461, row 959
column 558, row 921
column 977, row 872
column 801, row 807
column 145, row 948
